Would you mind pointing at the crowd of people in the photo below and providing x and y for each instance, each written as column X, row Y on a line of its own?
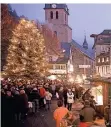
column 19, row 98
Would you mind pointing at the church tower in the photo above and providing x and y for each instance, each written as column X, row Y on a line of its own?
column 57, row 14
column 85, row 44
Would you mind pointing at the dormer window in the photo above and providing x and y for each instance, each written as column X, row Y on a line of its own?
column 57, row 15
column 51, row 15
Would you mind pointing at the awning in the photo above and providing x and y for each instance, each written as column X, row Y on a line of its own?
column 105, row 80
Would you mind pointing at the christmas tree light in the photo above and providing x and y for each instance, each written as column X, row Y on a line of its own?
column 26, row 53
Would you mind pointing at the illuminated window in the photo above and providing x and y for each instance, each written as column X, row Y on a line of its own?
column 98, row 60
column 107, row 59
column 98, row 94
column 102, row 59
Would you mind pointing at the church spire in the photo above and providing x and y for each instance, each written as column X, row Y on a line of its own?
column 85, row 44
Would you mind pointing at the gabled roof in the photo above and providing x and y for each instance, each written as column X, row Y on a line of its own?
column 88, row 53
column 66, row 46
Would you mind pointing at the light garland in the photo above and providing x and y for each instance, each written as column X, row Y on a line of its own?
column 26, row 53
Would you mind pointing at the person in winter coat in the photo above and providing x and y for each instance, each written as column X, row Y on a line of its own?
column 42, row 96
column 23, row 104
column 65, row 96
column 59, row 94
column 88, row 112
column 48, row 97
column 9, row 109
column 70, row 99
column 35, row 97
column 60, row 113
column 17, row 105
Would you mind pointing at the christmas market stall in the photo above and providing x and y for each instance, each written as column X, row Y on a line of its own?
column 101, row 89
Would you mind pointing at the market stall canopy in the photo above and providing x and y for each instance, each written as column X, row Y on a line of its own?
column 100, row 79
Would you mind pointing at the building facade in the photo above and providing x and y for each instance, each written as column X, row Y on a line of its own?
column 57, row 14
column 83, row 62
column 79, row 62
column 102, row 46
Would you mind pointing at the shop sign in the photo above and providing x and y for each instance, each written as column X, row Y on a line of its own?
column 84, row 66
column 57, row 71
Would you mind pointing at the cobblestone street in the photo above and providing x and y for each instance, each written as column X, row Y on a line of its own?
column 42, row 118
column 45, row 118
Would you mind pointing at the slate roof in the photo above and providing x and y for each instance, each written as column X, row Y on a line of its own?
column 66, row 46
column 58, row 6
column 88, row 53
column 106, row 32
column 60, row 60
column 85, row 44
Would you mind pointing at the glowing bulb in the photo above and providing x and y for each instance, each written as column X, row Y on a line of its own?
column 27, row 48
column 13, row 47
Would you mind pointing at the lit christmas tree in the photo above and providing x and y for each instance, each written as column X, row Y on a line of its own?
column 26, row 53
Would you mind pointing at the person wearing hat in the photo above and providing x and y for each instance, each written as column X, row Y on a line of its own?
column 88, row 112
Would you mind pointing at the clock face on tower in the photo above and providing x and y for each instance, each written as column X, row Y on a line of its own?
column 53, row 5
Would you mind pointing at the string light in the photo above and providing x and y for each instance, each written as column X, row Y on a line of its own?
column 33, row 62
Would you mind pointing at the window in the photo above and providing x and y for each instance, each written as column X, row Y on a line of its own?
column 51, row 67
column 102, row 59
column 63, row 67
column 51, row 15
column 65, row 17
column 57, row 66
column 55, row 32
column 56, row 14
column 98, row 60
column 108, row 49
column 100, row 39
column 107, row 59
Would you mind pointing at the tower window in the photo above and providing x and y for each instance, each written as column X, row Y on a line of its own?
column 51, row 15
column 56, row 14
column 65, row 17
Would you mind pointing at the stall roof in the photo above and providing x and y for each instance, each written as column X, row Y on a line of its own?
column 105, row 80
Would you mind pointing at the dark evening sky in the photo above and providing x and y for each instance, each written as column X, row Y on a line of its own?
column 92, row 18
